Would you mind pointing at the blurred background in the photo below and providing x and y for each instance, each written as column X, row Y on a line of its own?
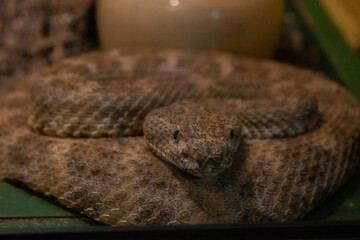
column 317, row 34
column 322, row 35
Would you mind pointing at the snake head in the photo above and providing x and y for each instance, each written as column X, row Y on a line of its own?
column 196, row 139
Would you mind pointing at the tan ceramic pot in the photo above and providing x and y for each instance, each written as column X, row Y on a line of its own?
column 245, row 26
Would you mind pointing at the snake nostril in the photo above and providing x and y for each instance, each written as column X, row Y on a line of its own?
column 185, row 155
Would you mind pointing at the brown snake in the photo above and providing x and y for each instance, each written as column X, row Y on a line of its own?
column 117, row 180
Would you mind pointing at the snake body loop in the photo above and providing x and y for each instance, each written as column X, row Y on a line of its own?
column 280, row 169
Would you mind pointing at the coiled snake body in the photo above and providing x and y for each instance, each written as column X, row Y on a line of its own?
column 277, row 166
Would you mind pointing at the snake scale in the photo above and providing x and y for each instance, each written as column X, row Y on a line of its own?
column 113, row 176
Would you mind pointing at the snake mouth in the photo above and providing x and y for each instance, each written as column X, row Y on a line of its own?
column 208, row 167
column 215, row 166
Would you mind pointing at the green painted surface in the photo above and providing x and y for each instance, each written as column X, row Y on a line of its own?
column 17, row 202
column 43, row 223
column 25, row 209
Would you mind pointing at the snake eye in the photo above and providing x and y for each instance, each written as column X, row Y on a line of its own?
column 232, row 134
column 176, row 134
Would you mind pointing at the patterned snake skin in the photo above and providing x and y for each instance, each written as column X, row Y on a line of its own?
column 118, row 181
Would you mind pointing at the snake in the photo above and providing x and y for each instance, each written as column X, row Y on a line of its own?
column 170, row 136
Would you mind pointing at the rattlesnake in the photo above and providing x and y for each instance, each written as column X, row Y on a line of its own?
column 114, row 177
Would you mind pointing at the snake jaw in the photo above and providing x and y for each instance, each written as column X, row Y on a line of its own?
column 207, row 162
column 215, row 166
column 210, row 169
